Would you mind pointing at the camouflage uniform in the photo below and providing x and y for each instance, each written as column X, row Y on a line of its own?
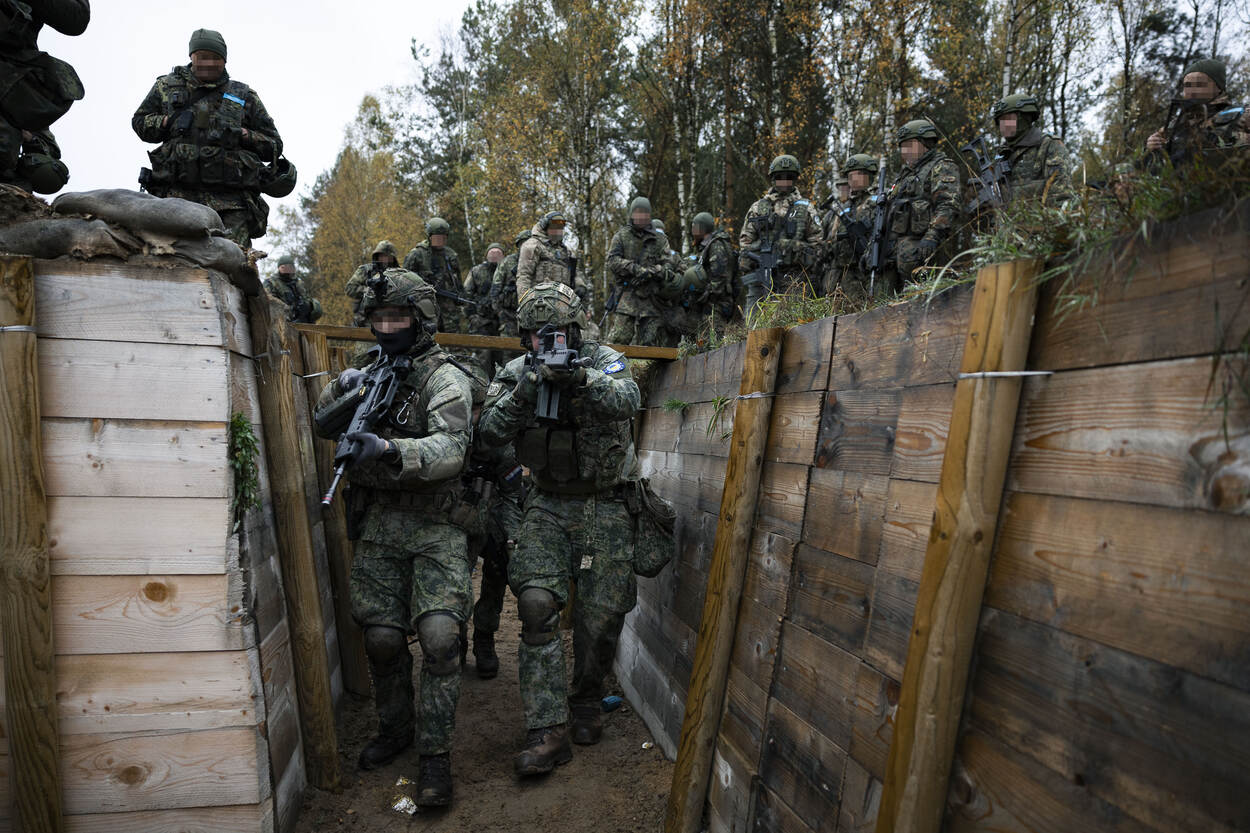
column 638, row 262
column 575, row 527
column 355, row 288
column 1038, row 163
column 411, row 569
column 441, row 269
column 35, row 90
column 482, row 319
column 852, row 229
column 1217, row 123
column 210, row 162
column 791, row 223
column 503, row 289
column 304, row 308
column 924, row 207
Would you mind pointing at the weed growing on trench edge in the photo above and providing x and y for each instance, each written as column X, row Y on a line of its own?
column 242, row 451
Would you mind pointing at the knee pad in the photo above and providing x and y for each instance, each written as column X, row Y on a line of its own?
column 383, row 644
column 440, row 643
column 540, row 616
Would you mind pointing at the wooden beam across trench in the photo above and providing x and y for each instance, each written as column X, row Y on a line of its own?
column 25, row 574
column 505, row 343
column 956, row 564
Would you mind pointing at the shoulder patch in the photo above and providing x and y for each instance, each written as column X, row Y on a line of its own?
column 802, row 202
column 1226, row 116
column 616, row 367
column 234, row 98
column 495, row 389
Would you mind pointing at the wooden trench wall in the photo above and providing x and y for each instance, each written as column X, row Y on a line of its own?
column 1110, row 684
column 176, row 690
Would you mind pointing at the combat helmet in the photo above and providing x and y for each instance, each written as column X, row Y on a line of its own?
column 521, row 237
column 278, row 180
column 547, row 219
column 548, row 303
column 861, row 162
column 385, row 247
column 1016, row 103
column 400, row 288
column 658, row 225
column 922, row 129
column 437, row 225
column 784, row 164
column 705, row 220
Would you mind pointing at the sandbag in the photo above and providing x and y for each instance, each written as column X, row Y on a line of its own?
column 143, row 212
column 57, row 237
column 222, row 255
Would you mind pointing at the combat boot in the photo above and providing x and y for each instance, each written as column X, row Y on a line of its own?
column 484, row 655
column 434, row 781
column 382, row 750
column 587, row 723
column 545, row 749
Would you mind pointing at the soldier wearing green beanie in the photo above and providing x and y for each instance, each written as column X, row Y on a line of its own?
column 1202, row 118
column 215, row 140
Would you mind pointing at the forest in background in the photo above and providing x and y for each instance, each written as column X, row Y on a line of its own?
column 577, row 105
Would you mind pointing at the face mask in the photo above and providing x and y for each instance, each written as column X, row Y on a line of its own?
column 398, row 343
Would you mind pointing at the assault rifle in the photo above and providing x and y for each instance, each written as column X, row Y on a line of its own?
column 875, row 255
column 361, row 410
column 765, row 257
column 459, row 299
column 301, row 311
column 613, row 300
column 991, row 176
column 556, row 354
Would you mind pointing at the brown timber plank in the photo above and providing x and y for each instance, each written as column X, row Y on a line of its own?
column 27, row 618
column 773, row 815
column 506, row 343
column 295, row 546
column 831, row 597
column 1145, row 433
column 861, row 798
column 768, row 573
column 957, row 558
column 795, row 425
column 816, row 680
column 924, row 417
column 242, row 818
column 1164, row 746
column 705, row 698
column 847, row 512
column 805, row 357
column 112, row 535
column 782, row 499
column 1166, row 584
column 802, row 767
column 857, row 430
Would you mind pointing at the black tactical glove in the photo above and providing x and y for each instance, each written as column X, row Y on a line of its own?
column 369, row 447
column 925, row 248
column 180, row 122
column 350, row 379
column 564, row 378
column 526, row 390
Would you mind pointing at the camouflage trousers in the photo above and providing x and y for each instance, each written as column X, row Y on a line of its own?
column 409, row 564
column 503, row 527
column 589, row 540
column 623, row 328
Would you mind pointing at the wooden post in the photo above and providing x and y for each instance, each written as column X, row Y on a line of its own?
column 338, row 548
column 956, row 563
column 726, row 576
column 25, row 576
column 272, row 335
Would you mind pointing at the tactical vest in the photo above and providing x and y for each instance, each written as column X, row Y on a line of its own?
column 770, row 225
column 911, row 209
column 553, row 265
column 207, row 154
column 572, row 459
column 706, row 253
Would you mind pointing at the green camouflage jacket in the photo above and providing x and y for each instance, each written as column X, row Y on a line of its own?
column 304, row 308
column 483, row 320
column 716, row 256
column 852, row 228
column 638, row 261
column 590, row 449
column 1216, row 124
column 441, row 270
column 504, row 295
column 540, row 261
column 1035, row 159
column 791, row 223
column 924, row 200
column 429, row 423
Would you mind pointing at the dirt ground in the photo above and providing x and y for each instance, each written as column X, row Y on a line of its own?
column 616, row 786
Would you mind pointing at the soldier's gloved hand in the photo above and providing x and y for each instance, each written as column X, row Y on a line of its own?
column 526, row 390
column 350, row 379
column 925, row 249
column 564, row 378
column 369, row 446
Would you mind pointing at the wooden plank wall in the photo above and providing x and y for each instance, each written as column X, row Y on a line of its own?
column 173, row 676
column 1110, row 688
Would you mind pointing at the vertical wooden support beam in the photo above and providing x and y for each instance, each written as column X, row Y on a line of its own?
column 956, row 563
column 25, row 575
column 277, row 383
column 338, row 548
column 705, row 698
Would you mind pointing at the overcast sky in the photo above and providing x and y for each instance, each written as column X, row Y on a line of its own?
column 310, row 61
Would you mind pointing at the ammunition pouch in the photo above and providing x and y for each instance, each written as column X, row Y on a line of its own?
column 550, row 451
column 655, row 519
column 356, row 503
